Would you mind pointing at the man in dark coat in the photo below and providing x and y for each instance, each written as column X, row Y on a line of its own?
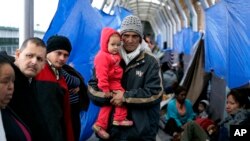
column 52, row 91
column 29, row 61
column 142, row 82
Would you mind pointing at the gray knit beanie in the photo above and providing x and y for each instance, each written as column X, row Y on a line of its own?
column 132, row 23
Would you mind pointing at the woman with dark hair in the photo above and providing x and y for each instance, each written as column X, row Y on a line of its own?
column 11, row 127
column 179, row 111
column 237, row 108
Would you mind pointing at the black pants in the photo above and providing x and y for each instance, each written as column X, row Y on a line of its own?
column 171, row 127
column 75, row 117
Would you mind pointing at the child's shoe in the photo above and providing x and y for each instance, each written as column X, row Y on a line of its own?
column 100, row 132
column 123, row 123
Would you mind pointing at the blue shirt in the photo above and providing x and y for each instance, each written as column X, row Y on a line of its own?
column 172, row 112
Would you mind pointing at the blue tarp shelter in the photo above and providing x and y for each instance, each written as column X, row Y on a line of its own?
column 227, row 41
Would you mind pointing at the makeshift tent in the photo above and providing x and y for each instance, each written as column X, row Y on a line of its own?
column 227, row 46
column 203, row 85
column 114, row 20
column 185, row 39
column 193, row 79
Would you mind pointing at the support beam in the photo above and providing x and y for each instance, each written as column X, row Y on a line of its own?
column 26, row 29
column 103, row 4
column 112, row 6
column 182, row 13
column 170, row 33
column 153, row 27
column 204, row 4
column 193, row 14
column 165, row 37
column 168, row 11
column 175, row 15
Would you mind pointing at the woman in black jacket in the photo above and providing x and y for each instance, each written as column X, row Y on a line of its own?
column 11, row 127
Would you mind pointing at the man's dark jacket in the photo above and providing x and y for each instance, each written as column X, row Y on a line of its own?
column 24, row 104
column 142, row 82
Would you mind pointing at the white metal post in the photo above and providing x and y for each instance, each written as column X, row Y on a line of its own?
column 175, row 15
column 26, row 28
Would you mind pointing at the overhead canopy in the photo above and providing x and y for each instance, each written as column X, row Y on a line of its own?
column 146, row 10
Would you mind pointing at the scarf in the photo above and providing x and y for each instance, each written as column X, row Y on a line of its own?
column 128, row 57
column 56, row 72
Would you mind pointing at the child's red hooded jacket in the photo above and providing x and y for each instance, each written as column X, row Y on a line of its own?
column 107, row 65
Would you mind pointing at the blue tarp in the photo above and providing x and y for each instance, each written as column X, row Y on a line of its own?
column 185, row 39
column 114, row 20
column 227, row 41
column 159, row 41
column 82, row 24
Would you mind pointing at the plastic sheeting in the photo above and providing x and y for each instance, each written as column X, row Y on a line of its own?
column 195, row 79
column 82, row 24
column 159, row 41
column 227, row 41
column 185, row 40
column 114, row 20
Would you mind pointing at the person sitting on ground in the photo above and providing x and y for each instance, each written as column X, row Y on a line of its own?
column 202, row 109
column 109, row 74
column 179, row 111
column 237, row 108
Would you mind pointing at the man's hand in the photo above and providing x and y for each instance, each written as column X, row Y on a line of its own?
column 108, row 95
column 117, row 98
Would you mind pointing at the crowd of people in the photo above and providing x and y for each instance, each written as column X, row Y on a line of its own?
column 41, row 96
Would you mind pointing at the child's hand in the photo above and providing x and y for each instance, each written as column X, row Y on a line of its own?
column 107, row 95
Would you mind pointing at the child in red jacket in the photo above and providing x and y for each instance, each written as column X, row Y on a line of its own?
column 109, row 74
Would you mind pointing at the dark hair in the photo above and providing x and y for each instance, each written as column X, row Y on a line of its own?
column 4, row 59
column 35, row 40
column 165, row 66
column 240, row 96
column 179, row 89
column 181, row 55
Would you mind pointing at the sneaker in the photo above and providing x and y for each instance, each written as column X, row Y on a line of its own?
column 100, row 132
column 123, row 123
